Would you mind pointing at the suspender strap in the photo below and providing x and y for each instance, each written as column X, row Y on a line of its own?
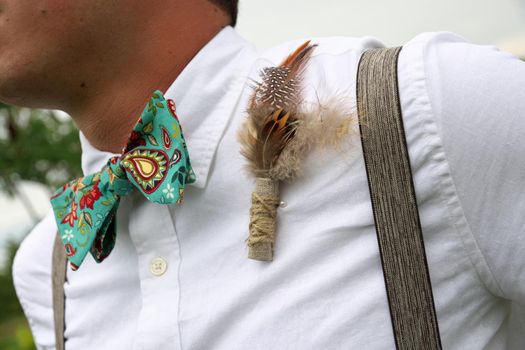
column 59, row 266
column 394, row 202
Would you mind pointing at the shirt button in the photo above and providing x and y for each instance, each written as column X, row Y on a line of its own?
column 158, row 266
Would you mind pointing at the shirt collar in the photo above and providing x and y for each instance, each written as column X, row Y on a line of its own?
column 206, row 94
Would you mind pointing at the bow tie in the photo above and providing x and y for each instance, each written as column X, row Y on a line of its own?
column 155, row 161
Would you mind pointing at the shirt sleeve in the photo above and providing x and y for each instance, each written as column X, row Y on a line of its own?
column 478, row 98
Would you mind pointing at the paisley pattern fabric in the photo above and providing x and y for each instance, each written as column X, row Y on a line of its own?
column 155, row 161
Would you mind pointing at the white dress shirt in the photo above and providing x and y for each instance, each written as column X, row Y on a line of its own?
column 179, row 276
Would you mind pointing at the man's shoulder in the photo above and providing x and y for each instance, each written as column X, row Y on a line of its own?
column 336, row 45
column 428, row 52
column 435, row 38
column 446, row 53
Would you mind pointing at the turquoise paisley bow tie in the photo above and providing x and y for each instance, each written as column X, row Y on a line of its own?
column 155, row 161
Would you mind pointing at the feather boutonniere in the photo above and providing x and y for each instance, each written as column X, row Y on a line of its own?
column 267, row 140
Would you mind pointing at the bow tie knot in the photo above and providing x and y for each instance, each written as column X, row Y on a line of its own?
column 115, row 179
column 155, row 162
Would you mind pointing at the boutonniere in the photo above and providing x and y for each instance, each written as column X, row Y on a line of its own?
column 278, row 133
column 267, row 141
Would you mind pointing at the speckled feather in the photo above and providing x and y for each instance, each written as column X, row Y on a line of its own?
column 273, row 116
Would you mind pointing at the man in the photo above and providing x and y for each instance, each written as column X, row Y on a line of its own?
column 178, row 277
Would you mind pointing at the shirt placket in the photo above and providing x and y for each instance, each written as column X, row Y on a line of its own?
column 153, row 234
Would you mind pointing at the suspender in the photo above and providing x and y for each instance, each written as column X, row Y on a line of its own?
column 394, row 202
column 58, row 275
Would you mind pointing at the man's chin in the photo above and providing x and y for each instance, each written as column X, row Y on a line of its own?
column 16, row 97
column 9, row 98
column 17, row 83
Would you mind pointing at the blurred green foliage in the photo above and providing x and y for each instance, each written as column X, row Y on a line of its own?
column 17, row 337
column 37, row 145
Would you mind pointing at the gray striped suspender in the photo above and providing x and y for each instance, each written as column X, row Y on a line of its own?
column 394, row 202
column 58, row 277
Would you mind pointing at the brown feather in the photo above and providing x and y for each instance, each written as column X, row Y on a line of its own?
column 297, row 53
column 296, row 61
column 273, row 117
column 264, row 136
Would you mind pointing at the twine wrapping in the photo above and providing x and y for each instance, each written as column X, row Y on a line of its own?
column 263, row 217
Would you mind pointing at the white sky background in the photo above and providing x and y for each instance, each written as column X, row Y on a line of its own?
column 269, row 22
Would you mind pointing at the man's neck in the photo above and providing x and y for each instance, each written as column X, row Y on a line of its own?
column 107, row 108
column 108, row 116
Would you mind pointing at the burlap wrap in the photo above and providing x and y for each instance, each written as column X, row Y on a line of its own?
column 263, row 215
